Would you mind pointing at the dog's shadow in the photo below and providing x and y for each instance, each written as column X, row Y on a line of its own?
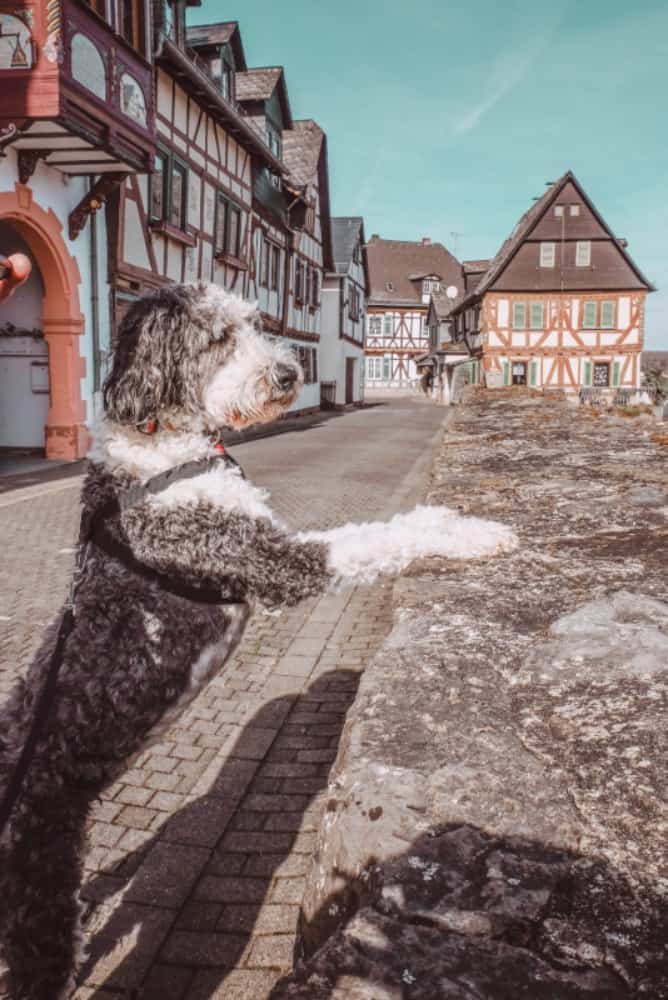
column 179, row 913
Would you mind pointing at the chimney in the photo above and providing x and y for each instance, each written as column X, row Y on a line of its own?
column 375, row 236
column 426, row 241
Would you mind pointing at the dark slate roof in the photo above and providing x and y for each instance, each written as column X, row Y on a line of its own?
column 301, row 150
column 393, row 262
column 201, row 36
column 257, row 84
column 443, row 305
column 345, row 236
column 211, row 34
column 524, row 227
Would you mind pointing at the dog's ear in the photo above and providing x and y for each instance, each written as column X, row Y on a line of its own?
column 144, row 377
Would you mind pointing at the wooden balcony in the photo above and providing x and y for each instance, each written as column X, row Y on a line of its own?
column 74, row 93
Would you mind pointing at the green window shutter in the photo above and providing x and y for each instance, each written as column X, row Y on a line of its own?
column 587, row 373
column 387, row 369
column 608, row 315
column 536, row 315
column 589, row 316
column 533, row 374
column 615, row 373
column 519, row 316
column 506, row 373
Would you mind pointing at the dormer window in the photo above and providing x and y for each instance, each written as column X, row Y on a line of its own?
column 273, row 139
column 223, row 76
column 430, row 285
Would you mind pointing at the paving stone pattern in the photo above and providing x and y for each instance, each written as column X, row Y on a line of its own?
column 197, row 855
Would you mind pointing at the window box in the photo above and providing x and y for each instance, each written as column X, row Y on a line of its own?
column 174, row 233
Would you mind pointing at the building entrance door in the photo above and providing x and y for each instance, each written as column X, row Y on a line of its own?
column 519, row 373
column 350, row 380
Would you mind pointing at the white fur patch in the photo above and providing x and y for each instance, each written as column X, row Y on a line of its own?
column 363, row 552
column 145, row 455
column 223, row 487
column 243, row 383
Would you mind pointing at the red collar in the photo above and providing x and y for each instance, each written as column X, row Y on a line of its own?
column 151, row 426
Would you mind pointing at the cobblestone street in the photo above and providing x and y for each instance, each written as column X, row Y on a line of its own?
column 197, row 856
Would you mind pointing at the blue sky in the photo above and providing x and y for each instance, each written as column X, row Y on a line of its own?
column 446, row 116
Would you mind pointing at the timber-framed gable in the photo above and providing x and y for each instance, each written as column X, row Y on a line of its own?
column 561, row 306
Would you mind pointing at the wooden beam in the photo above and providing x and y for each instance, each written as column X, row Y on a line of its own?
column 92, row 201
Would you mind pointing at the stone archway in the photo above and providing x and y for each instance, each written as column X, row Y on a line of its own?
column 63, row 322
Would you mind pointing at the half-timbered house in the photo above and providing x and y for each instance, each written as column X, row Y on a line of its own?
column 343, row 315
column 402, row 277
column 76, row 119
column 192, row 218
column 561, row 306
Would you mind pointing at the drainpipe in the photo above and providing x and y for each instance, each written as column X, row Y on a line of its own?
column 94, row 296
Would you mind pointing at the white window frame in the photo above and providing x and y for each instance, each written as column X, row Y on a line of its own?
column 585, row 325
column 558, row 211
column 518, row 326
column 532, row 325
column 388, row 318
column 613, row 305
column 548, row 254
column 574, row 209
column 583, row 253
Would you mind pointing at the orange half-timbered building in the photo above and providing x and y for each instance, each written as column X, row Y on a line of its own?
column 561, row 306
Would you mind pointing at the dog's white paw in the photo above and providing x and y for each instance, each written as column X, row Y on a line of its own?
column 364, row 551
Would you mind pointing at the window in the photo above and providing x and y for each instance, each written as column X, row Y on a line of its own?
column 589, row 316
column 519, row 316
column 387, row 367
column 227, row 227
column 157, row 189
column 314, row 364
column 275, row 266
column 387, row 325
column 309, row 221
column 430, row 285
column 273, row 137
column 265, row 261
column 547, row 254
column 354, row 302
column 315, row 288
column 178, row 184
column 132, row 23
column 559, row 211
column 375, row 326
column 602, row 374
column 575, row 209
column 608, row 315
column 299, row 282
column 536, row 316
column 583, row 253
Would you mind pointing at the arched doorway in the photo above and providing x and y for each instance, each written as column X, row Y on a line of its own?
column 62, row 322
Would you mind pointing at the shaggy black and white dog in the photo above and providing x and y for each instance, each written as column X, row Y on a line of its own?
column 190, row 361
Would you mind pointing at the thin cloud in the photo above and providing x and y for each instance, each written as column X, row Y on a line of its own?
column 507, row 72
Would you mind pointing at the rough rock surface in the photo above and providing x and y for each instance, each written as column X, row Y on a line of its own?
column 496, row 825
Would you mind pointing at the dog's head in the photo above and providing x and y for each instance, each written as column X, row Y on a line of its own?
column 193, row 356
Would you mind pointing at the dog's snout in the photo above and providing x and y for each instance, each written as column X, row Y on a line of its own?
column 285, row 376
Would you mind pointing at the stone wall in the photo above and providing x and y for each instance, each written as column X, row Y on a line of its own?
column 496, row 824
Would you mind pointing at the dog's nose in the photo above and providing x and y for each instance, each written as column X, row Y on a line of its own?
column 285, row 377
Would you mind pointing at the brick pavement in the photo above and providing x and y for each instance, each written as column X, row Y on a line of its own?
column 197, row 855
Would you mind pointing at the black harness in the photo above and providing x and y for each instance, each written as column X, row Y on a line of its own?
column 98, row 534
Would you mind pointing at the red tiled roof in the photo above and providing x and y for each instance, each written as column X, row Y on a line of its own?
column 396, row 269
